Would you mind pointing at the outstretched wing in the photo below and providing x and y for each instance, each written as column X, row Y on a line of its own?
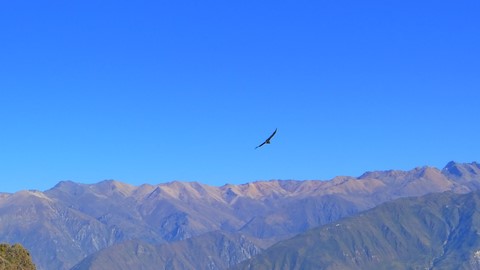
column 273, row 134
column 260, row 145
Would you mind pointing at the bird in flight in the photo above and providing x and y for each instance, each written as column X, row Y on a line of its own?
column 267, row 141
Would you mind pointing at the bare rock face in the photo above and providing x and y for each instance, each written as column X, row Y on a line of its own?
column 475, row 260
column 73, row 221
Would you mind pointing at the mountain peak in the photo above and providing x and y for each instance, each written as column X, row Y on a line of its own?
column 65, row 183
column 462, row 171
column 113, row 186
column 392, row 175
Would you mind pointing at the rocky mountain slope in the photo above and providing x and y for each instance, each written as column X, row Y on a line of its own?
column 213, row 250
column 437, row 231
column 64, row 225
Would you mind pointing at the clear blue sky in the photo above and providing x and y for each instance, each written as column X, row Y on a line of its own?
column 155, row 91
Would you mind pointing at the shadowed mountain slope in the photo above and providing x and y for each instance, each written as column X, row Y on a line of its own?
column 437, row 231
column 213, row 250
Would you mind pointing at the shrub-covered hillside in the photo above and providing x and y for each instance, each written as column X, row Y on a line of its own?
column 15, row 257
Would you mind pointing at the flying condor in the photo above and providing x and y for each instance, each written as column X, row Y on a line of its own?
column 267, row 141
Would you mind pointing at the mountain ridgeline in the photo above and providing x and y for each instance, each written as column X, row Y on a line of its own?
column 180, row 225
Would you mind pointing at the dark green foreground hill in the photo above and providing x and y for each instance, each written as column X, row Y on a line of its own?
column 15, row 257
column 438, row 231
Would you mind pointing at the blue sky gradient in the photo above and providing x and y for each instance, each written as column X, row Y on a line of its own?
column 155, row 91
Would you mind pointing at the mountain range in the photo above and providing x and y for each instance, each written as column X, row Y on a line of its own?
column 189, row 225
